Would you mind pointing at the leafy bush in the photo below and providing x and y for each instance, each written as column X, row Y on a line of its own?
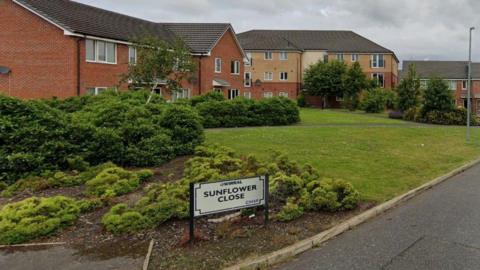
column 115, row 181
column 457, row 116
column 36, row 136
column 36, row 217
column 411, row 114
column 437, row 97
column 290, row 211
column 210, row 96
column 301, row 102
column 54, row 180
column 242, row 112
column 374, row 101
column 168, row 201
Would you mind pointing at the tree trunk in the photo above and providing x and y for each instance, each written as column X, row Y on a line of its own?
column 151, row 93
column 325, row 104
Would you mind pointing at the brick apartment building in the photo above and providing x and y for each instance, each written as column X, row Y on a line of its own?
column 61, row 48
column 455, row 73
column 279, row 58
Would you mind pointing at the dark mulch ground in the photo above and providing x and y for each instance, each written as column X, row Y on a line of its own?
column 218, row 244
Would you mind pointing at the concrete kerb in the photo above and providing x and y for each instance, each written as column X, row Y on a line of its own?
column 284, row 254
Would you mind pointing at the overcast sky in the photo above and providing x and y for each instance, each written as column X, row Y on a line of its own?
column 414, row 29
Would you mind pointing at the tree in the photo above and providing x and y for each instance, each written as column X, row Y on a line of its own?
column 437, row 97
column 160, row 62
column 326, row 79
column 355, row 82
column 409, row 90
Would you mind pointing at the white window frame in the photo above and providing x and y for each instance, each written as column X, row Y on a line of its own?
column 283, row 56
column 268, row 94
column 247, row 82
column 464, row 84
column 96, row 90
column 375, row 77
column 354, row 57
column 247, row 95
column 270, row 55
column 231, row 95
column 218, row 65
column 452, row 85
column 282, row 77
column 283, row 94
column 236, row 67
column 268, row 78
column 181, row 94
column 130, row 50
column 340, row 56
column 249, row 59
column 96, row 54
column 375, row 58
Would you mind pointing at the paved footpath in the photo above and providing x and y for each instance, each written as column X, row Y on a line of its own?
column 439, row 229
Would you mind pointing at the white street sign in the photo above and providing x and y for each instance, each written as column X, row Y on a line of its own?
column 211, row 198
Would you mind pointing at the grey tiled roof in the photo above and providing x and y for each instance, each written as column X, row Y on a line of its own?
column 443, row 69
column 87, row 20
column 333, row 41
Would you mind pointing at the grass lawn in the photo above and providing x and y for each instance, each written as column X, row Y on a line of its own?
column 380, row 161
column 326, row 117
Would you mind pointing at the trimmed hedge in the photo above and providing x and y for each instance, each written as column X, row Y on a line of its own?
column 36, row 136
column 242, row 112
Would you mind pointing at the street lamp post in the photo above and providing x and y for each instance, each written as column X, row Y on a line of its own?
column 469, row 84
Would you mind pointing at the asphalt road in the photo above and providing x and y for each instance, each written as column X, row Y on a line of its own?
column 439, row 229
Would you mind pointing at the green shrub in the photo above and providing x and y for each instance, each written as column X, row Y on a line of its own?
column 290, row 211
column 36, row 136
column 437, row 97
column 242, row 112
column 36, row 217
column 113, row 182
column 120, row 219
column 283, row 186
column 301, row 102
column 374, row 101
column 54, row 180
column 334, row 195
column 411, row 114
column 210, row 96
column 456, row 116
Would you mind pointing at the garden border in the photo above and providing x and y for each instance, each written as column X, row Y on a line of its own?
column 286, row 253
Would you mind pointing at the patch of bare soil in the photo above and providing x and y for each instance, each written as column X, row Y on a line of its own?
column 218, row 244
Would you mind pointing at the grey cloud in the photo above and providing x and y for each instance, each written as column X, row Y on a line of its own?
column 414, row 29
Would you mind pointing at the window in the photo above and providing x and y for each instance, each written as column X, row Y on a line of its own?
column 132, row 55
column 283, row 56
column 233, row 93
column 267, row 94
column 423, row 84
column 235, row 67
column 179, row 94
column 464, row 85
column 283, row 76
column 249, row 59
column 218, row 65
column 377, row 61
column 354, row 57
column 247, row 95
column 325, row 58
column 268, row 76
column 452, row 85
column 96, row 90
column 379, row 78
column 90, row 50
column 101, row 51
column 340, row 56
column 268, row 56
column 248, row 79
column 283, row 94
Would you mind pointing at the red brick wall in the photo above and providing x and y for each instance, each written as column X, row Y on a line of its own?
column 103, row 75
column 258, row 90
column 41, row 58
column 228, row 50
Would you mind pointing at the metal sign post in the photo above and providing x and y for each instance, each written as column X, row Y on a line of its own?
column 224, row 196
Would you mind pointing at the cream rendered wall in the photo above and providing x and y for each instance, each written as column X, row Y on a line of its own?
column 311, row 57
